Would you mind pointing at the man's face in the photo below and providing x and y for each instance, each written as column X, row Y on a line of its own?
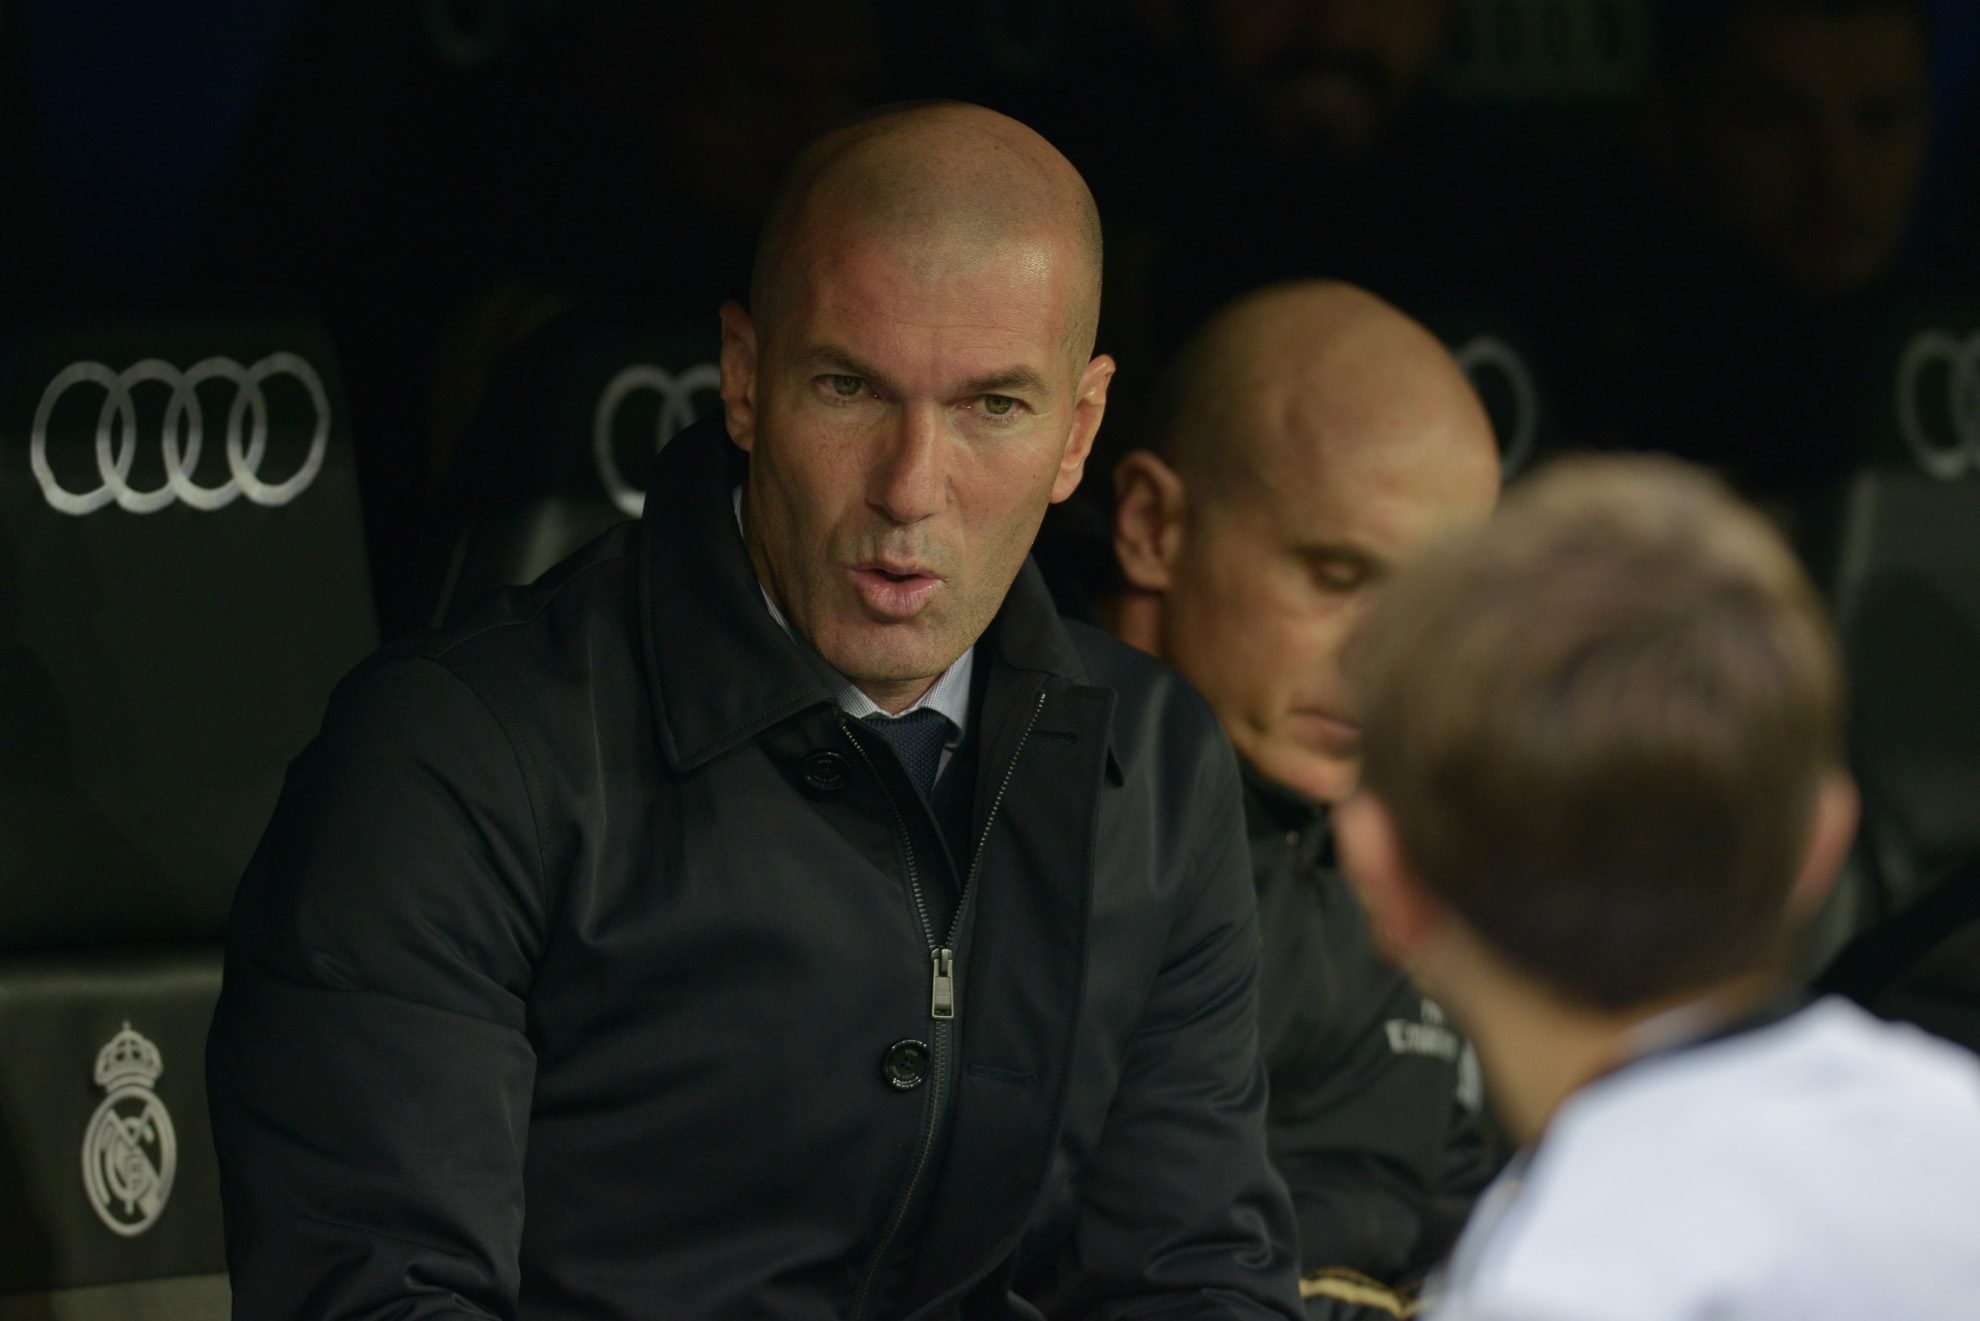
column 908, row 418
column 1814, row 129
column 1272, row 581
column 1328, row 73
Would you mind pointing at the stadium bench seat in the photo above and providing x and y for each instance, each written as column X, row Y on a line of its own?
column 1907, row 600
column 182, row 580
column 559, row 450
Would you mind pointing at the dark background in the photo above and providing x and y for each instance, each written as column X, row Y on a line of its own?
column 1691, row 227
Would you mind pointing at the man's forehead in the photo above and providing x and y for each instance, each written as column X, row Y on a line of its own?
column 1377, row 482
column 914, row 264
column 1008, row 297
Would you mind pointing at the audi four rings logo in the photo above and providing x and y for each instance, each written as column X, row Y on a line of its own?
column 1483, row 354
column 183, row 435
column 676, row 391
column 1961, row 362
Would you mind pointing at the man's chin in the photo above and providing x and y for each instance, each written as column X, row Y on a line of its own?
column 887, row 654
column 1321, row 778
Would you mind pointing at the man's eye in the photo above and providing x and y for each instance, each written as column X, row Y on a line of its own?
column 999, row 405
column 846, row 387
column 1339, row 576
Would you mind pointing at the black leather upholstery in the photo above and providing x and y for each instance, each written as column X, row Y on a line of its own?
column 1908, row 601
column 1907, row 594
column 172, row 618
column 165, row 665
column 560, row 449
column 1923, row 966
column 57, row 1013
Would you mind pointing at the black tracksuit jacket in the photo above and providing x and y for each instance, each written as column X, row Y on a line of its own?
column 566, row 980
column 1374, row 1120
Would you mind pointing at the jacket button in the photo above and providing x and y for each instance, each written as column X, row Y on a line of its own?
column 905, row 1064
column 827, row 772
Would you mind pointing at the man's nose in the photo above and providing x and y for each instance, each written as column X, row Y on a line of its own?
column 909, row 482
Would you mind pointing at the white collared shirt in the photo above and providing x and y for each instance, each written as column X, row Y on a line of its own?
column 948, row 695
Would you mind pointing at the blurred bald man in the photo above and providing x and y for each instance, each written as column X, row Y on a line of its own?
column 1308, row 440
column 777, row 910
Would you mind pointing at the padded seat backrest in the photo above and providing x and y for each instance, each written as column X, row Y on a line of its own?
column 182, row 580
column 1499, row 362
column 560, row 448
column 1907, row 596
column 107, row 1175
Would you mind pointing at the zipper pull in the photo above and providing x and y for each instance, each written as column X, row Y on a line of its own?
column 942, row 996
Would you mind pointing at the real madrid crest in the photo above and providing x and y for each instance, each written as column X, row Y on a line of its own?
column 130, row 1152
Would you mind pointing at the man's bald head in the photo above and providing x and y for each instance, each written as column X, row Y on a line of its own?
column 1310, row 439
column 942, row 184
column 915, row 385
column 1293, row 378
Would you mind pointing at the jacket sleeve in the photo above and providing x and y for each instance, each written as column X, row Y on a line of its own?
column 1182, row 1214
column 1382, row 1157
column 368, row 1068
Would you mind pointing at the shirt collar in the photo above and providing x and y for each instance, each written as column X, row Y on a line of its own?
column 948, row 696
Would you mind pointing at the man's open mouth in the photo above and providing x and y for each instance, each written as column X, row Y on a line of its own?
column 894, row 591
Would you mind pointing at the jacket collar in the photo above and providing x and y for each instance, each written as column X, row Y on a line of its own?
column 722, row 671
column 1029, row 633
column 1269, row 805
column 1272, row 810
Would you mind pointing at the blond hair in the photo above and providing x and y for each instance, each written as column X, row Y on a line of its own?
column 1601, row 723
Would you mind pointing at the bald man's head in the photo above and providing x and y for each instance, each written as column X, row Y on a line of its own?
column 914, row 385
column 1307, row 439
column 1282, row 382
column 943, row 183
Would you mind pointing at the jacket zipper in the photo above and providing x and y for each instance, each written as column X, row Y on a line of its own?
column 941, row 996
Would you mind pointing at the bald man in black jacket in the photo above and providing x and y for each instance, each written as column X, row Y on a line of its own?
column 777, row 910
column 1310, row 438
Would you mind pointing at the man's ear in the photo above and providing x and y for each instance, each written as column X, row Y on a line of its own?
column 1089, row 406
column 739, row 374
column 1837, row 809
column 1402, row 912
column 1150, row 509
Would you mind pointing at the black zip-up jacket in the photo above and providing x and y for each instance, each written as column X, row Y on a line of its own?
column 1374, row 1117
column 574, row 974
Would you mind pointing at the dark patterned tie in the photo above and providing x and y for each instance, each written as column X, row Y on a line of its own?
column 918, row 738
